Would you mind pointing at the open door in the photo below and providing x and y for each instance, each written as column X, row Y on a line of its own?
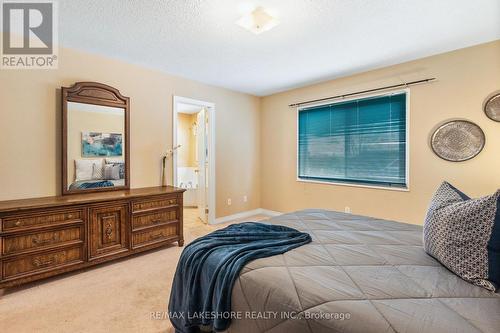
column 201, row 154
column 202, row 192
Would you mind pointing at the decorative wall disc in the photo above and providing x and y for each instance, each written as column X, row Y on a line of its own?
column 458, row 140
column 492, row 108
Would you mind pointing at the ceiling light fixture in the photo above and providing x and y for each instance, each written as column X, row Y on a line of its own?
column 258, row 21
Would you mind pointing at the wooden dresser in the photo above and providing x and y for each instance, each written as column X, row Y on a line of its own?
column 48, row 236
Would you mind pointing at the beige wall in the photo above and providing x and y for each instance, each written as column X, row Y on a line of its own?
column 30, row 126
column 80, row 121
column 465, row 78
column 186, row 154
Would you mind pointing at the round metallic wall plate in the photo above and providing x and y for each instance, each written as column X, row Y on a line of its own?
column 492, row 107
column 458, row 140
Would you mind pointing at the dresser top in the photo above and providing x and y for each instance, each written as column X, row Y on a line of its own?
column 76, row 199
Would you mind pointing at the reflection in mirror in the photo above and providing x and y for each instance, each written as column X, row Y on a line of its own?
column 95, row 146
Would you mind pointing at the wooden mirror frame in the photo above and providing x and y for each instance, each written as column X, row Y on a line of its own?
column 96, row 94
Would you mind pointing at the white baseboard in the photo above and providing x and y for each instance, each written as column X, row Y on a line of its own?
column 269, row 212
column 248, row 213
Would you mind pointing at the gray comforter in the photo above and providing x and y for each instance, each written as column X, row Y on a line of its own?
column 358, row 275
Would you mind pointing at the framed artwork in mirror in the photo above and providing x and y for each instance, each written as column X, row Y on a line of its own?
column 101, row 144
column 95, row 138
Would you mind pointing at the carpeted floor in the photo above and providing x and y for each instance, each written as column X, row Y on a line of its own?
column 116, row 297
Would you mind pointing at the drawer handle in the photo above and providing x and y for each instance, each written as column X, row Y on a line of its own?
column 160, row 235
column 39, row 241
column 157, row 221
column 40, row 262
column 18, row 223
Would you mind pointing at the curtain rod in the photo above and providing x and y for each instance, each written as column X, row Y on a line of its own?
column 407, row 84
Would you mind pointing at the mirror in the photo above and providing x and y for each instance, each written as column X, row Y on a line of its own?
column 95, row 138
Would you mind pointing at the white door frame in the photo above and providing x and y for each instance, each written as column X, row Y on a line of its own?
column 210, row 107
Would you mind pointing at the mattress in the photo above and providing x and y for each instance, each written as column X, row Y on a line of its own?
column 359, row 274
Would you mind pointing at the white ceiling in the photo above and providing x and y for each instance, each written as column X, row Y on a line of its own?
column 316, row 40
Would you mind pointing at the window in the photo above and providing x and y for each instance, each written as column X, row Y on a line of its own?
column 361, row 142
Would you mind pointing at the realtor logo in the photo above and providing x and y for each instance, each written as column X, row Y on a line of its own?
column 29, row 38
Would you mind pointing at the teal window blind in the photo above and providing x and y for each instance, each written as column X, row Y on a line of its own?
column 360, row 141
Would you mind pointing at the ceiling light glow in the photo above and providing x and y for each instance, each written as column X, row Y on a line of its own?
column 258, row 21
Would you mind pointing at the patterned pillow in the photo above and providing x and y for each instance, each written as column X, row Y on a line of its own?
column 97, row 171
column 121, row 167
column 464, row 235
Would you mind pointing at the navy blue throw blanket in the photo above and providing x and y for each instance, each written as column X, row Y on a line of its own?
column 209, row 266
column 104, row 183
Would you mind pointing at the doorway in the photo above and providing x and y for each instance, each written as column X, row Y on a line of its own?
column 194, row 160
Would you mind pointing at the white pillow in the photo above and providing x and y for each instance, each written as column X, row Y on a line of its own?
column 111, row 172
column 84, row 169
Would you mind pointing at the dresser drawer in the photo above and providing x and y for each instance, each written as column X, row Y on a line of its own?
column 35, row 219
column 34, row 241
column 32, row 264
column 154, row 203
column 154, row 218
column 155, row 235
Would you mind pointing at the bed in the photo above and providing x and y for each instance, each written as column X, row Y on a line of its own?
column 359, row 274
column 96, row 183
